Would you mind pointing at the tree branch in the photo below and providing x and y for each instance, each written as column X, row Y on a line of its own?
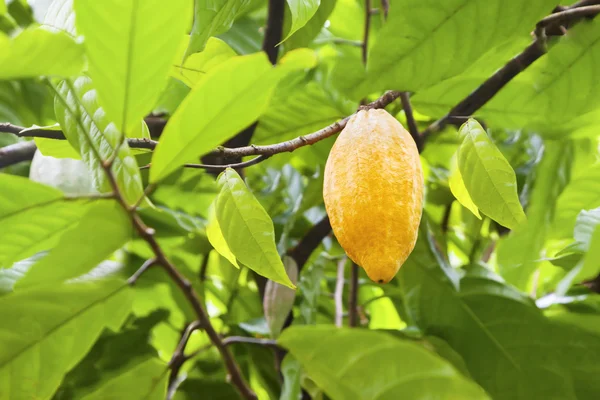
column 365, row 43
column 484, row 93
column 241, row 339
column 16, row 153
column 160, row 258
column 305, row 140
column 179, row 358
column 273, row 29
column 315, row 235
column 410, row 120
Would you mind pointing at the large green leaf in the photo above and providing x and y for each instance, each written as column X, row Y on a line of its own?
column 145, row 381
column 519, row 253
column 33, row 216
column 488, row 177
column 381, row 367
column 582, row 193
column 547, row 97
column 131, row 46
column 102, row 230
column 301, row 11
column 459, row 190
column 46, row 331
column 435, row 43
column 88, row 129
column 211, row 18
column 526, row 355
column 33, row 53
column 232, row 96
column 248, row 229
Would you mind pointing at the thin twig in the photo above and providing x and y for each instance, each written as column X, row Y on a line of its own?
column 145, row 266
column 179, row 358
column 305, row 140
column 219, row 168
column 353, row 297
column 242, row 339
column 410, row 119
column 339, row 293
column 385, row 6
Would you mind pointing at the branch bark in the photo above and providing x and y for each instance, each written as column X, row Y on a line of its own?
column 16, row 153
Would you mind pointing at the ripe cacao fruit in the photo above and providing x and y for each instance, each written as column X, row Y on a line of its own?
column 373, row 192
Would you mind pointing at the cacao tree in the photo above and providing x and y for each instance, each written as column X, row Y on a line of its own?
column 324, row 199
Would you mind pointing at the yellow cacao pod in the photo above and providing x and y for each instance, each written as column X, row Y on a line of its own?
column 373, row 192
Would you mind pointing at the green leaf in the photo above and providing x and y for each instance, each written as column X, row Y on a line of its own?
column 437, row 43
column 304, row 36
column 131, row 47
column 301, row 12
column 232, row 96
column 488, row 177
column 33, row 216
column 38, row 325
column 197, row 65
column 87, row 128
column 33, row 53
column 2, row 7
column 519, row 254
column 459, row 190
column 102, row 230
column 487, row 316
column 147, row 380
column 382, row 367
column 216, row 239
column 248, row 229
column 211, row 18
column 582, row 193
column 545, row 98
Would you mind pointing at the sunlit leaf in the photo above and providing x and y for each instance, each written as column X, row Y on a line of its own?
column 212, row 17
column 301, row 12
column 488, row 177
column 131, row 47
column 33, row 216
column 248, row 229
column 33, row 53
column 216, row 239
column 38, row 325
column 436, row 43
column 88, row 129
column 103, row 229
column 232, row 96
column 457, row 186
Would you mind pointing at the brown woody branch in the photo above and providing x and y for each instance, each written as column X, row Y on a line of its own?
column 242, row 339
column 410, row 120
column 16, row 153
